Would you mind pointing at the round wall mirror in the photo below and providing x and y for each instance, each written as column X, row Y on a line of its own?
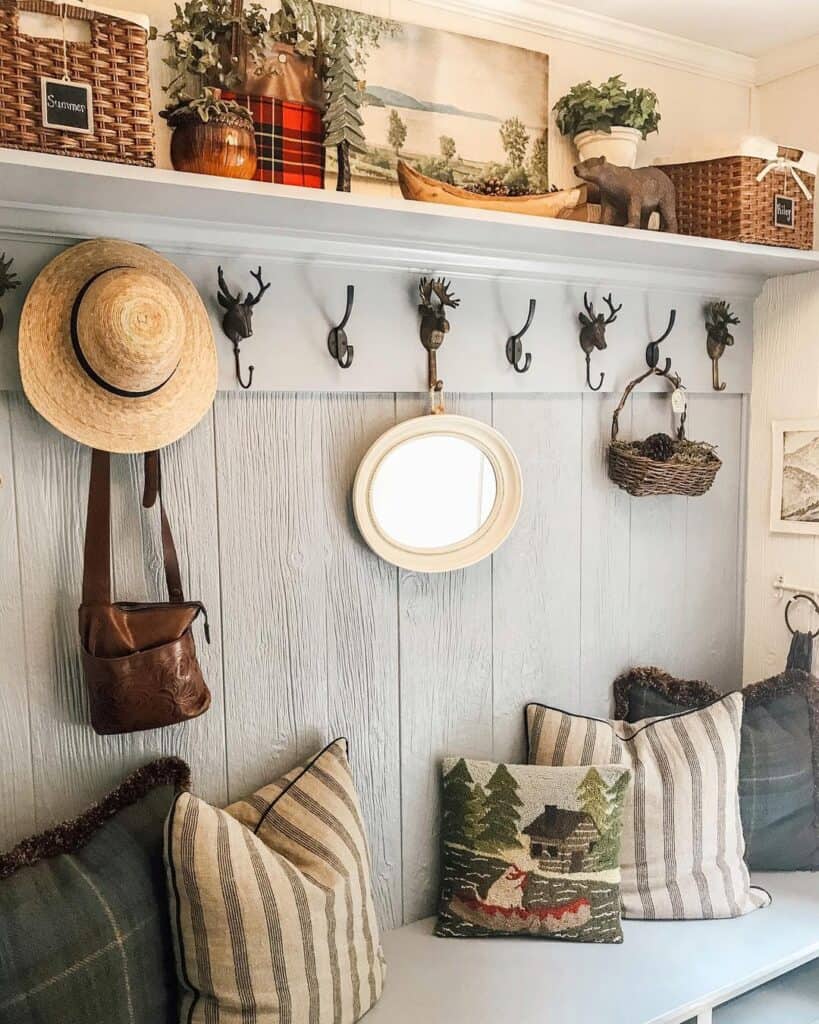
column 437, row 493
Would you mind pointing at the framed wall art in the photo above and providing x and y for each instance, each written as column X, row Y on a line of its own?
column 795, row 476
column 454, row 107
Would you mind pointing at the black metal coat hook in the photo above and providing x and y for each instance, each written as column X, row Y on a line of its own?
column 340, row 349
column 593, row 332
column 653, row 347
column 514, row 346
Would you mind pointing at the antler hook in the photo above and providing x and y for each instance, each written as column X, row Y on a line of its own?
column 589, row 384
column 238, row 366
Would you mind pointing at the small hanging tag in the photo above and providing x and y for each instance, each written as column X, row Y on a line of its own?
column 67, row 106
column 678, row 401
column 784, row 212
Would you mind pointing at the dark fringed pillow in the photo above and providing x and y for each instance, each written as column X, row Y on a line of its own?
column 779, row 760
column 84, row 929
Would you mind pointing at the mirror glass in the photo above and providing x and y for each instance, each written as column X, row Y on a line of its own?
column 432, row 492
column 437, row 493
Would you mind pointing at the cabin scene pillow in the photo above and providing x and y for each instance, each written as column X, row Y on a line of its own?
column 531, row 851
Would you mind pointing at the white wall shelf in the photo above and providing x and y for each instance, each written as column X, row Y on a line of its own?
column 200, row 213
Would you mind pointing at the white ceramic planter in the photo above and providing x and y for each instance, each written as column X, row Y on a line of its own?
column 618, row 147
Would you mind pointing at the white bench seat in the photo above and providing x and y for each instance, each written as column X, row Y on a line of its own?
column 665, row 972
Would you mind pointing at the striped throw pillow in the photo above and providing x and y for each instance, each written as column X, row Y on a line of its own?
column 271, row 902
column 683, row 847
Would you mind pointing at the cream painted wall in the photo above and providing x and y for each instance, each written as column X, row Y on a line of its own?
column 697, row 111
column 785, row 386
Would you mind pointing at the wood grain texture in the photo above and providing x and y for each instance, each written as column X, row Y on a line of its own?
column 72, row 765
column 16, row 772
column 362, row 641
column 315, row 637
column 657, row 557
column 715, row 526
column 606, row 560
column 536, row 574
column 274, row 546
column 445, row 623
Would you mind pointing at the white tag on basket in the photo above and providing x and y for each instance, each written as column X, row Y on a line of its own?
column 678, row 401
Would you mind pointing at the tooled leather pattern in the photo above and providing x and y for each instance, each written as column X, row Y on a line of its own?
column 146, row 690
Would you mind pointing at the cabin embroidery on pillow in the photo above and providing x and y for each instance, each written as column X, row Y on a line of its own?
column 531, row 851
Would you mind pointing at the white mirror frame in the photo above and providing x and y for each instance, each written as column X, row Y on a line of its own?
column 481, row 544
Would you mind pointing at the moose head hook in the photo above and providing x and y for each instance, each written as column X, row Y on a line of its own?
column 593, row 332
column 718, row 318
column 434, row 324
column 237, row 323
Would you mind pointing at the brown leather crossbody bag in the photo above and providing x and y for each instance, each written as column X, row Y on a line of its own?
column 139, row 658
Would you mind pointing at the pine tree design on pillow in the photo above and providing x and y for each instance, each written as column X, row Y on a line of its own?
column 531, row 851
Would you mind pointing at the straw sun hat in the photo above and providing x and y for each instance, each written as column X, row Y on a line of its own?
column 116, row 347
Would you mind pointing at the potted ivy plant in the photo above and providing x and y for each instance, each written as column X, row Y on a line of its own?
column 607, row 119
column 220, row 46
column 210, row 134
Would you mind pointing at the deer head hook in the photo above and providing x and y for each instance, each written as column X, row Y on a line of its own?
column 8, row 280
column 434, row 324
column 237, row 323
column 593, row 332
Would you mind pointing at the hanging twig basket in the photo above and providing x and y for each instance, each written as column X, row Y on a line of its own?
column 690, row 469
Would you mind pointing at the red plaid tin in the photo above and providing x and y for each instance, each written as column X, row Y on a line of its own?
column 288, row 141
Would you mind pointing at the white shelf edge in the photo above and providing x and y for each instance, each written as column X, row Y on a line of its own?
column 70, row 197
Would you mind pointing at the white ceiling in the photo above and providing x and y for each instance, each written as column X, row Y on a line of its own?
column 751, row 27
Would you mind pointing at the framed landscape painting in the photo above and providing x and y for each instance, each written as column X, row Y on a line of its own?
column 455, row 107
column 795, row 476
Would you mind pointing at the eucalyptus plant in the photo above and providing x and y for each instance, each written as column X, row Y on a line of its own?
column 599, row 108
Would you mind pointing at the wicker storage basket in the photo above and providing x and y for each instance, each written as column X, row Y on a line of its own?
column 114, row 64
column 642, row 476
column 723, row 199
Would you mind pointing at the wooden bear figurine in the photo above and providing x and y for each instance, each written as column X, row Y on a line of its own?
column 629, row 196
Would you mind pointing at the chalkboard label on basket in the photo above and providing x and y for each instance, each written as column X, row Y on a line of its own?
column 784, row 212
column 67, row 106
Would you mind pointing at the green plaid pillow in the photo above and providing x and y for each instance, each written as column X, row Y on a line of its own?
column 84, row 929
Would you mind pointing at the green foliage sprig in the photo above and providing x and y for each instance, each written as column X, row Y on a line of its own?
column 599, row 108
column 209, row 104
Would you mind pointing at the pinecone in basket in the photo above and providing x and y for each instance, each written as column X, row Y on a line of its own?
column 491, row 187
column 659, row 447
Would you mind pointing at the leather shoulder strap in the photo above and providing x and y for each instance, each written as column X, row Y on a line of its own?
column 96, row 578
column 96, row 581
column 153, row 490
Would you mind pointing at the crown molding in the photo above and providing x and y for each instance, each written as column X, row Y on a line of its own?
column 788, row 60
column 558, row 21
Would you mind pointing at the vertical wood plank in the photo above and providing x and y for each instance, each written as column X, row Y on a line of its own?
column 16, row 779
column 362, row 641
column 536, row 593
column 189, row 490
column 445, row 623
column 657, row 558
column 273, row 551
column 605, row 586
column 711, row 640
column 72, row 765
